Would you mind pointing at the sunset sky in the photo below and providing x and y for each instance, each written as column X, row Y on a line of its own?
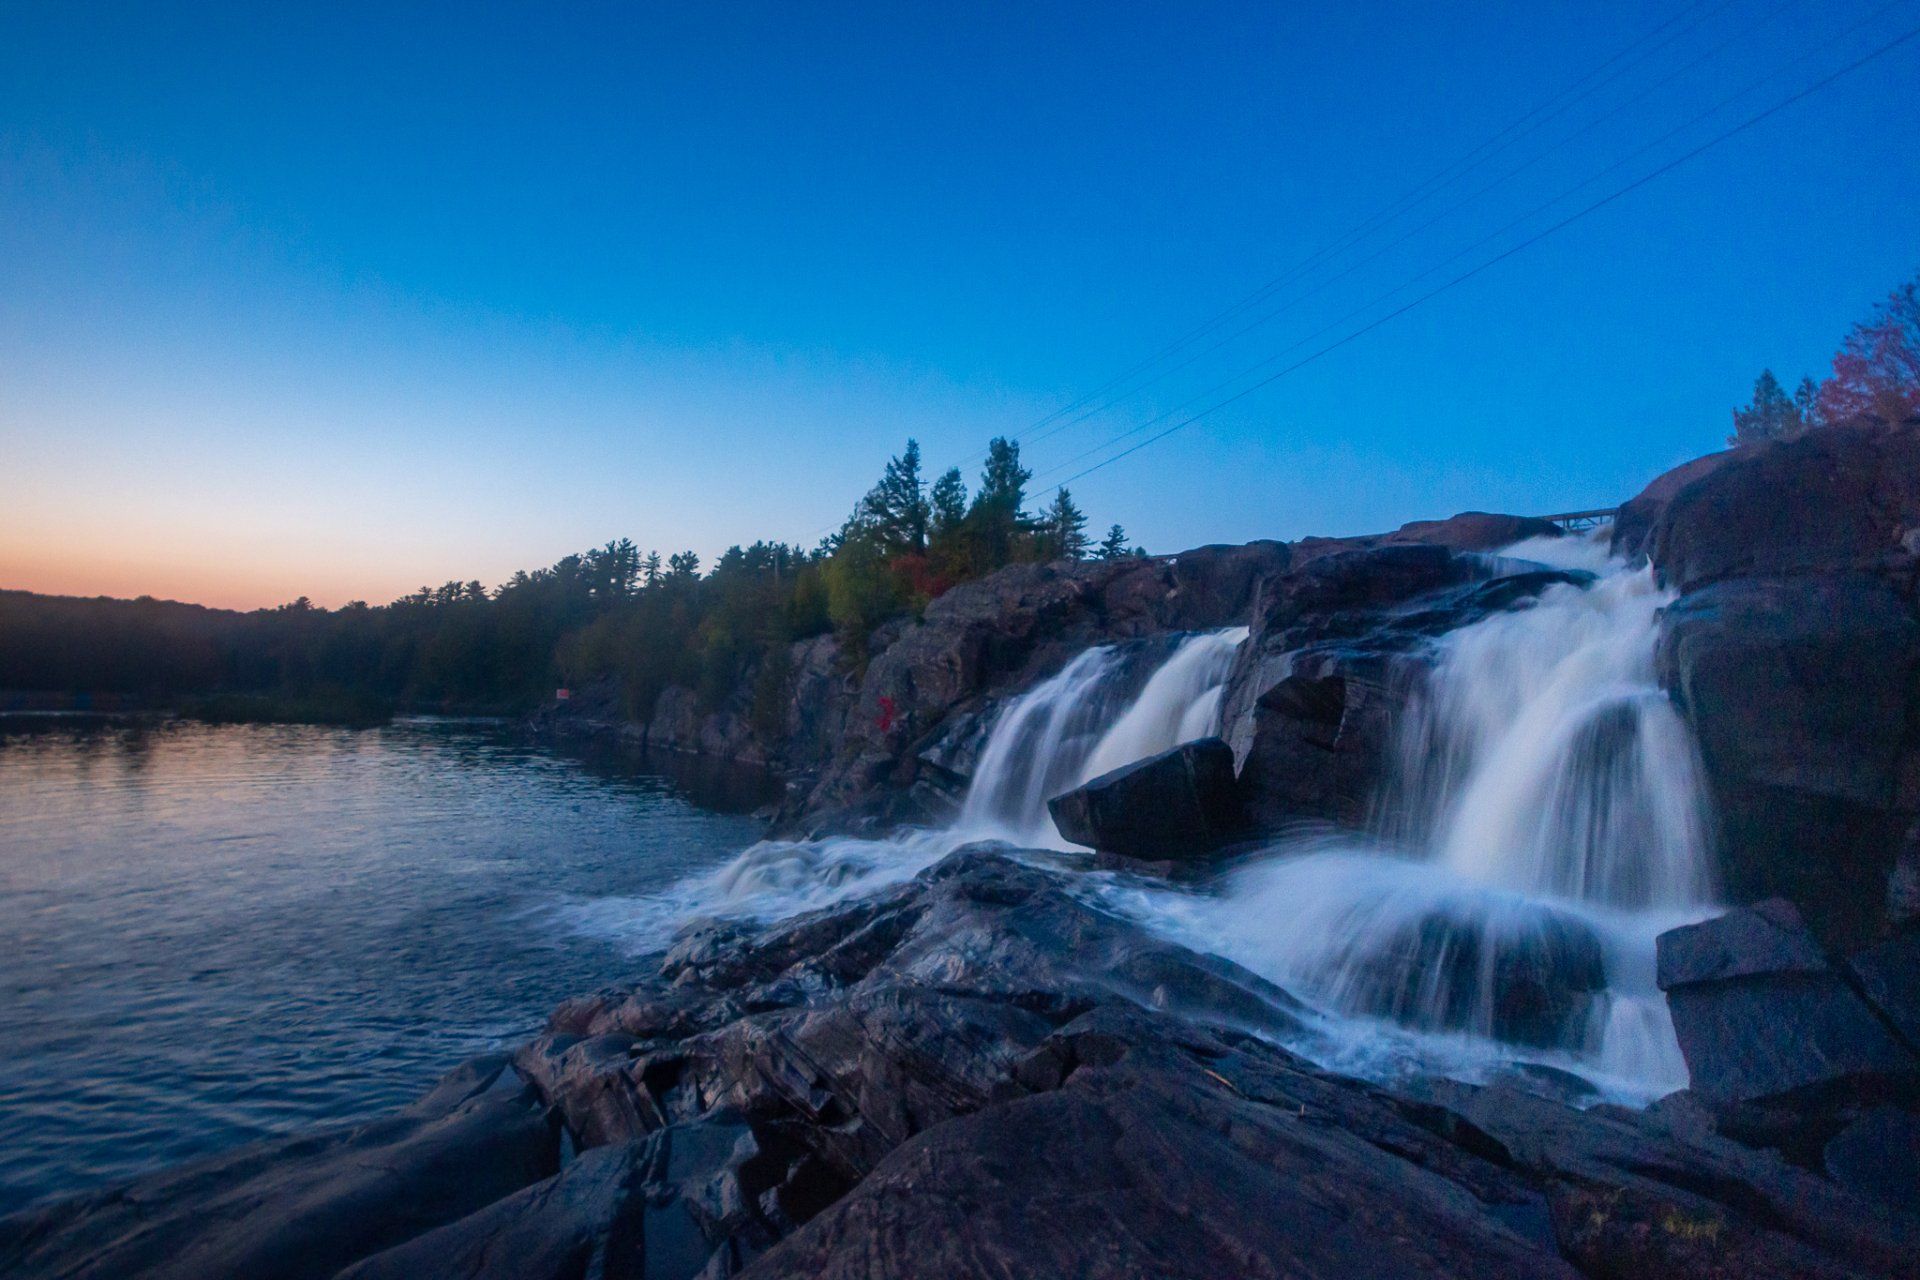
column 342, row 301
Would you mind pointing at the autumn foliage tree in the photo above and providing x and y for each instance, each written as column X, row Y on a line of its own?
column 1876, row 375
column 1876, row 372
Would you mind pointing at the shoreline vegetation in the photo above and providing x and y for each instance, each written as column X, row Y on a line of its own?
column 612, row 615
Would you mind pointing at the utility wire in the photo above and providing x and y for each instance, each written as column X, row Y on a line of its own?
column 1515, row 131
column 1530, row 241
column 1407, row 200
column 1767, row 78
column 1274, row 313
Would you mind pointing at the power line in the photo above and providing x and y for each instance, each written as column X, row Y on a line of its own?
column 1269, row 316
column 1485, row 240
column 1412, row 198
column 1601, row 203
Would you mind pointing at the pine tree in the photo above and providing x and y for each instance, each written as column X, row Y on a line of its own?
column 1114, row 545
column 949, row 505
column 1003, row 481
column 1771, row 415
column 1064, row 529
column 995, row 522
column 898, row 504
column 650, row 569
column 1806, row 400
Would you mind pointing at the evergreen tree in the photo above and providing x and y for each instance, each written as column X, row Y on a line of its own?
column 949, row 505
column 995, row 522
column 650, row 569
column 1114, row 545
column 683, row 566
column 1063, row 529
column 1003, row 481
column 898, row 504
column 1806, row 400
column 1771, row 415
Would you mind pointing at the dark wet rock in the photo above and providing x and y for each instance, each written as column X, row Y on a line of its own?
column 1801, row 692
column 1878, row 1156
column 1842, row 498
column 978, row 1072
column 673, row 1204
column 1768, row 937
column 1903, row 883
column 1178, row 804
column 1633, row 1195
column 1336, row 650
column 1888, row 976
column 1761, row 1017
column 303, row 1206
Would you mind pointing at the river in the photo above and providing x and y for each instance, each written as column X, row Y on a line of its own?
column 216, row 933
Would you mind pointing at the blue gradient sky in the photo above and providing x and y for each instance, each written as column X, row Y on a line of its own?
column 343, row 301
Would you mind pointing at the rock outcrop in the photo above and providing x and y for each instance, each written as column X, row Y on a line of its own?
column 1765, row 1019
column 1794, row 651
column 1336, row 649
column 979, row 1073
column 1177, row 805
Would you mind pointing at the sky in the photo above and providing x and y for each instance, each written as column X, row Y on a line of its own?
column 341, row 300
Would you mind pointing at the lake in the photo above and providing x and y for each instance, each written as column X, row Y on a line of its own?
column 216, row 933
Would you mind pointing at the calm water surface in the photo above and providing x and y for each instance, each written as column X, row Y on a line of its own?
column 211, row 934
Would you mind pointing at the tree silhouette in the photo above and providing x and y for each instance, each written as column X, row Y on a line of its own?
column 1771, row 415
column 1063, row 529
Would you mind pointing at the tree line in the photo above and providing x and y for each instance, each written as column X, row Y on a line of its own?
column 637, row 622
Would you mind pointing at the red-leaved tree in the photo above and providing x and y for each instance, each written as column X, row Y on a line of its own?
column 1877, row 370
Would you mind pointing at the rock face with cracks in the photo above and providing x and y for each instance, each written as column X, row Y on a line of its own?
column 976, row 1073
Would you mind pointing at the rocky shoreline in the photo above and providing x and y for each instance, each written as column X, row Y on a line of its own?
column 982, row 1072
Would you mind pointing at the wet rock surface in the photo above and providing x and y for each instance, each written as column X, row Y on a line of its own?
column 1794, row 652
column 978, row 1073
column 1180, row 804
column 1336, row 650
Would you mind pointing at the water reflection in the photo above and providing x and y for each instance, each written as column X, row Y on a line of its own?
column 218, row 932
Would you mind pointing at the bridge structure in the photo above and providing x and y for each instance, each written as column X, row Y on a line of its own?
column 1580, row 521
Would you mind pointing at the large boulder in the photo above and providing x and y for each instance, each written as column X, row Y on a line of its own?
column 1763, row 1018
column 1182, row 802
column 1801, row 691
column 1474, row 531
column 671, row 1204
column 1844, row 497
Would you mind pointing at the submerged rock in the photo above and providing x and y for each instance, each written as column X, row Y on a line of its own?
column 1175, row 805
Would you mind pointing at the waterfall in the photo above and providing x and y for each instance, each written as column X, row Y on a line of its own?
column 1543, row 820
column 1080, row 724
column 1100, row 711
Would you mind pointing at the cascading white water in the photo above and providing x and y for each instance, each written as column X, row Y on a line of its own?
column 1544, row 820
column 1067, row 729
column 1079, row 724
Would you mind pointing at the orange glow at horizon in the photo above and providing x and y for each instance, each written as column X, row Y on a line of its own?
column 230, row 582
